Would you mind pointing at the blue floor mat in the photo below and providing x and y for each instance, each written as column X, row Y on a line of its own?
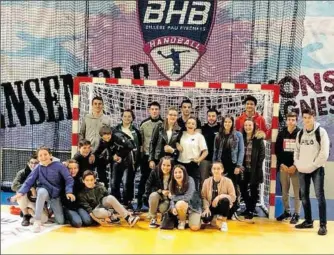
column 314, row 205
column 5, row 196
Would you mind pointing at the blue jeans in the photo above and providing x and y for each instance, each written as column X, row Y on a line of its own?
column 78, row 217
column 317, row 177
column 55, row 204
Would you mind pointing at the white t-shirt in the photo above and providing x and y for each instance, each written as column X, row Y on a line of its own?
column 127, row 131
column 192, row 146
column 169, row 134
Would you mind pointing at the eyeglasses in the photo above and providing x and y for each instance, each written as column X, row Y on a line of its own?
column 33, row 162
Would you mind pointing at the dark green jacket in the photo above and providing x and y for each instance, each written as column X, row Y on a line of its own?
column 90, row 198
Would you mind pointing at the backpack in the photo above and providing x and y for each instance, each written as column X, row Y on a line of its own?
column 316, row 132
column 317, row 137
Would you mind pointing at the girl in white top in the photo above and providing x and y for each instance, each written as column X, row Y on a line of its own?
column 193, row 150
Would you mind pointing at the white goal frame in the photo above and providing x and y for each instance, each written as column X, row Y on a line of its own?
column 186, row 84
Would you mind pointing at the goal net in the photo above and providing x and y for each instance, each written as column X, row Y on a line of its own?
column 121, row 94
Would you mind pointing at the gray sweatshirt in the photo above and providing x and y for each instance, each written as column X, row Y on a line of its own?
column 91, row 126
column 309, row 155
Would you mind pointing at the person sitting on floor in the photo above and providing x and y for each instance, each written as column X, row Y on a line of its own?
column 94, row 198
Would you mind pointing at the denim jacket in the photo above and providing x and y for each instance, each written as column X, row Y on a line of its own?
column 237, row 152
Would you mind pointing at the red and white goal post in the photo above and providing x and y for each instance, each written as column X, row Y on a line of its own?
column 227, row 98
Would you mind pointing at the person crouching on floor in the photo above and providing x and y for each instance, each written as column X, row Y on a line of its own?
column 157, row 189
column 183, row 199
column 27, row 203
column 94, row 198
column 50, row 177
column 218, row 196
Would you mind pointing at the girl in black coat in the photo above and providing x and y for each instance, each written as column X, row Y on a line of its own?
column 164, row 138
column 252, row 173
column 157, row 189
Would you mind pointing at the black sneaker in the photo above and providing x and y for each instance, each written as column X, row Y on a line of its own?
column 305, row 224
column 294, row 219
column 249, row 216
column 322, row 230
column 26, row 220
column 153, row 223
column 284, row 216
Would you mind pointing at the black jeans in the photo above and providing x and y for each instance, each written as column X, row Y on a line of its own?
column 145, row 171
column 222, row 209
column 123, row 172
column 193, row 171
column 317, row 177
column 250, row 199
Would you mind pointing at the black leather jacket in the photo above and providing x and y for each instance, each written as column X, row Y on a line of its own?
column 120, row 144
column 158, row 141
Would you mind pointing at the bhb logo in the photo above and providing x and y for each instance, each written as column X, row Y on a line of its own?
column 175, row 33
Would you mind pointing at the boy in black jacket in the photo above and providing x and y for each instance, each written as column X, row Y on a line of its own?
column 114, row 146
column 284, row 149
column 85, row 157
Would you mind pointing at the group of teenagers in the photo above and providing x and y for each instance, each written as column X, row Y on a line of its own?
column 192, row 174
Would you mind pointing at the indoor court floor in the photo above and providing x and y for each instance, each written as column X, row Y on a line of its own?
column 263, row 237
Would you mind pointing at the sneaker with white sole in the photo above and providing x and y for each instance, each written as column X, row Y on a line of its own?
column 224, row 227
column 37, row 227
column 153, row 223
column 132, row 220
column 182, row 225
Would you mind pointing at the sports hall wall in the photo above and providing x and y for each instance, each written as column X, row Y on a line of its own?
column 44, row 44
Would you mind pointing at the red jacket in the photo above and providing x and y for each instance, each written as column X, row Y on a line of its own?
column 259, row 120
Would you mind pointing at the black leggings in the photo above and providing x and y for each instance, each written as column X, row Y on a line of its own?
column 222, row 209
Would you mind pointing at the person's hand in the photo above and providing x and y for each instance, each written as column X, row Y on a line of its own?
column 16, row 197
column 70, row 197
column 168, row 149
column 165, row 192
column 174, row 211
column 292, row 169
column 179, row 147
column 91, row 159
column 99, row 221
column 283, row 168
column 117, row 158
column 196, row 160
column 151, row 164
column 33, row 192
column 215, row 201
column 206, row 212
column 65, row 163
column 237, row 170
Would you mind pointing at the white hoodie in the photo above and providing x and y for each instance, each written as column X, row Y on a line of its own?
column 309, row 155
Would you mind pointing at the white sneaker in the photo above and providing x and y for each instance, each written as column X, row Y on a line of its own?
column 37, row 227
column 182, row 225
column 224, row 227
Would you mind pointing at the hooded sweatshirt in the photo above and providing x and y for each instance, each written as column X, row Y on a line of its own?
column 285, row 146
column 309, row 155
column 90, row 128
column 50, row 177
